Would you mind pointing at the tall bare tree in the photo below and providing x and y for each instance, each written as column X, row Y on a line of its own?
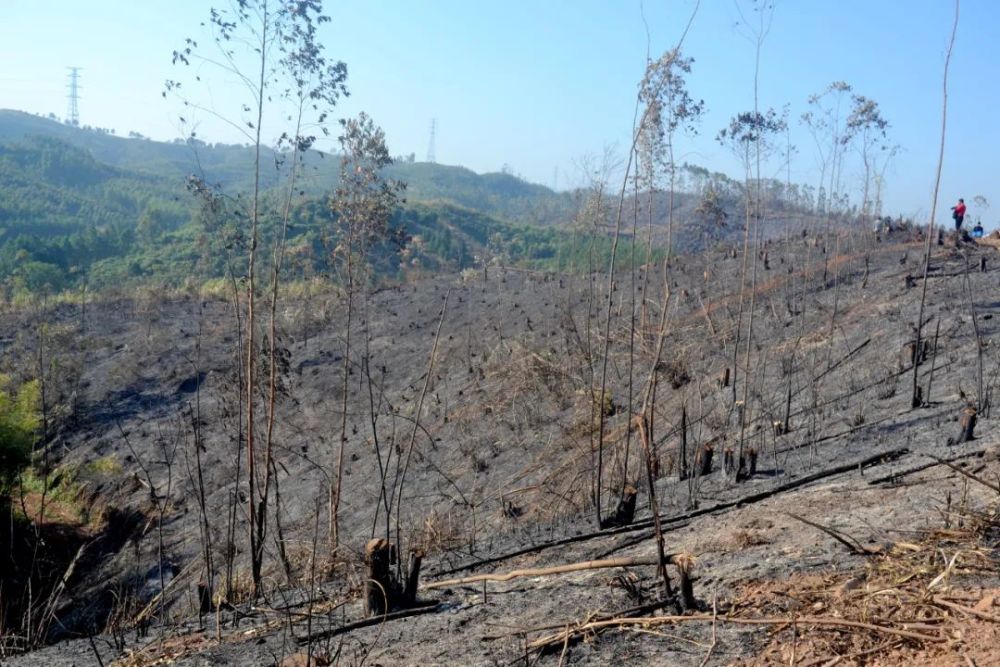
column 363, row 205
column 285, row 82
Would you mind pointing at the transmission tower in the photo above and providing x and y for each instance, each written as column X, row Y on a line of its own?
column 74, row 95
column 430, row 145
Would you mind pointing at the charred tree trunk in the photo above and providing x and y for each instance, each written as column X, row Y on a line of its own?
column 724, row 378
column 625, row 512
column 412, row 578
column 686, row 585
column 703, row 462
column 968, row 425
column 379, row 585
column 683, row 470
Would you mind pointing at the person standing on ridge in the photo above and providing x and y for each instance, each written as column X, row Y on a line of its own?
column 958, row 213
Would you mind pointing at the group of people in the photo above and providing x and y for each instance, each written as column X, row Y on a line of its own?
column 958, row 215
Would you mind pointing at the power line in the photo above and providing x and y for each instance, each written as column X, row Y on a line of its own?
column 73, row 117
column 430, row 145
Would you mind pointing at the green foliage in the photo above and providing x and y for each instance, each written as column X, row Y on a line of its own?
column 19, row 424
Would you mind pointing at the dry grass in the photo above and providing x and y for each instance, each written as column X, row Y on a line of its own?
column 927, row 586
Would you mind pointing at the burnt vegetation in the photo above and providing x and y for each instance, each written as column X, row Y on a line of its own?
column 692, row 399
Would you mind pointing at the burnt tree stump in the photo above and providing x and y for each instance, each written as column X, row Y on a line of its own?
column 380, row 585
column 685, row 564
column 625, row 512
column 412, row 578
column 728, row 461
column 912, row 354
column 703, row 461
column 751, row 467
column 967, row 424
column 204, row 598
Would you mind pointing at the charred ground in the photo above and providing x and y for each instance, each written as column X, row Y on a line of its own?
column 143, row 396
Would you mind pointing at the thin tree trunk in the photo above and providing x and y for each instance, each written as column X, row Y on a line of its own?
column 915, row 401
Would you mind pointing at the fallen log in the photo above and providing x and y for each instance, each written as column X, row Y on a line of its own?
column 885, row 457
column 625, row 613
column 421, row 608
column 893, row 477
column 975, row 478
column 682, row 519
column 589, row 627
column 546, row 571
column 852, row 545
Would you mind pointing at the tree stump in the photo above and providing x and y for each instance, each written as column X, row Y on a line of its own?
column 914, row 355
column 625, row 512
column 413, row 577
column 968, row 424
column 728, row 461
column 703, row 461
column 204, row 598
column 685, row 563
column 380, row 584
column 751, row 467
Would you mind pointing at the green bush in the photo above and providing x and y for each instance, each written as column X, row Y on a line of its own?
column 19, row 424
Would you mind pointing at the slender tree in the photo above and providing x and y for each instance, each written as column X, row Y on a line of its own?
column 868, row 127
column 269, row 48
column 825, row 120
column 362, row 205
column 916, row 400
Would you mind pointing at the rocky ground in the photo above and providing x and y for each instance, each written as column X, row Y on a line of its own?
column 501, row 472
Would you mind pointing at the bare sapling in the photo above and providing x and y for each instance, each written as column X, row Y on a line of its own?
column 916, row 400
column 363, row 205
column 270, row 48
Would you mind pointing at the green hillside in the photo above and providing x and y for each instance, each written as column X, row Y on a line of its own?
column 498, row 195
column 82, row 206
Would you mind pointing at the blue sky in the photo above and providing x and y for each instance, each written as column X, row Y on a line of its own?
column 537, row 85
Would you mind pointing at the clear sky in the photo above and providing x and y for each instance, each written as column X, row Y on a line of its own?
column 538, row 84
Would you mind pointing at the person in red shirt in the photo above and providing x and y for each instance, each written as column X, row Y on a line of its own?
column 958, row 213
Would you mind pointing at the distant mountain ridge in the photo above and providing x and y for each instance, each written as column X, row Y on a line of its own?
column 499, row 195
column 82, row 205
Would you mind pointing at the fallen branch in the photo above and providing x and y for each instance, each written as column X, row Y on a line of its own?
column 842, row 360
column 625, row 613
column 892, row 477
column 545, row 571
column 966, row 610
column 852, row 545
column 426, row 608
column 975, row 478
column 545, row 642
column 682, row 520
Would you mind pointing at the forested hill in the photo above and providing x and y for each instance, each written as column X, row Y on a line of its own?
column 83, row 205
column 80, row 205
column 498, row 195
